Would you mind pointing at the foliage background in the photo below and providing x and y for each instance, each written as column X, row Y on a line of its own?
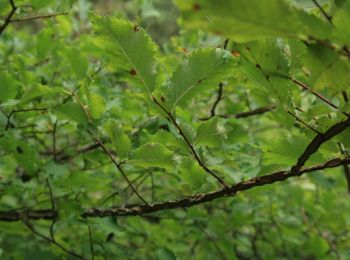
column 62, row 92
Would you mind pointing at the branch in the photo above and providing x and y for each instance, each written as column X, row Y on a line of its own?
column 118, row 165
column 303, row 123
column 327, row 16
column 327, row 101
column 318, row 140
column 180, row 203
column 196, row 156
column 220, row 90
column 254, row 112
column 35, row 232
column 218, row 99
column 9, row 16
column 24, row 19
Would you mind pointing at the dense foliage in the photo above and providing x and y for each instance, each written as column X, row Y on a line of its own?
column 147, row 129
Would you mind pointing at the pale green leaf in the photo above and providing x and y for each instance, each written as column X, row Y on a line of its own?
column 120, row 140
column 131, row 48
column 204, row 69
column 152, row 155
column 72, row 111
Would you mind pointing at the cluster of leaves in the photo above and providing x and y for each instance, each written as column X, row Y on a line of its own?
column 101, row 117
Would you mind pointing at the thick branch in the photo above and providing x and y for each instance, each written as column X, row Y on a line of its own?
column 319, row 139
column 9, row 16
column 180, row 203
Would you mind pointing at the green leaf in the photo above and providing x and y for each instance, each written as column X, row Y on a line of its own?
column 318, row 246
column 165, row 254
column 8, row 87
column 96, row 105
column 78, row 62
column 72, row 111
column 152, row 155
column 192, row 173
column 286, row 151
column 341, row 21
column 131, row 48
column 242, row 20
column 120, row 140
column 204, row 69
column 210, row 133
column 265, row 63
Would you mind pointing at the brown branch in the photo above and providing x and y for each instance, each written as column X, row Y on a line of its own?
column 196, row 156
column 318, row 140
column 327, row 101
column 180, row 203
column 303, row 123
column 254, row 112
column 202, row 198
column 9, row 16
column 220, row 90
column 25, row 19
column 218, row 99
column 327, row 16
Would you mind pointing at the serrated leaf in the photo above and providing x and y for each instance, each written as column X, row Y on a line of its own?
column 341, row 21
column 152, row 155
column 120, row 140
column 210, row 133
column 72, row 111
column 242, row 20
column 287, row 151
column 78, row 62
column 204, row 69
column 96, row 105
column 8, row 87
column 192, row 173
column 131, row 48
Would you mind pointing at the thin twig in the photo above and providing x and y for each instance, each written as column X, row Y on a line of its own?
column 34, row 231
column 9, row 16
column 327, row 101
column 218, row 99
column 196, row 156
column 303, row 123
column 25, row 19
column 210, row 238
column 220, row 90
column 327, row 16
column 103, row 147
